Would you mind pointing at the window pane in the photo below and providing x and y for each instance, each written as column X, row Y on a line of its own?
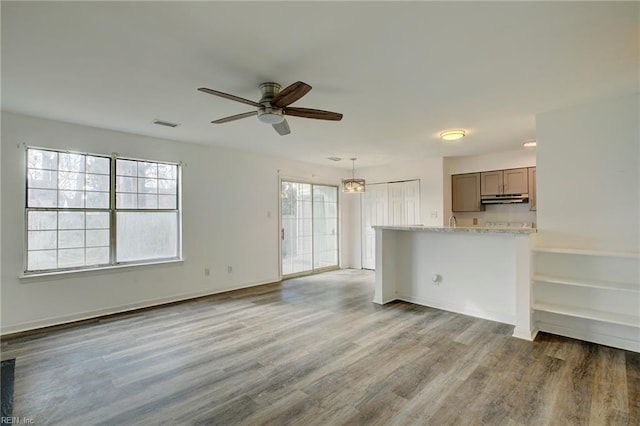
column 325, row 193
column 39, row 260
column 149, row 170
column 166, row 186
column 97, row 200
column 71, row 220
column 97, row 182
column 126, row 201
column 126, row 184
column 68, row 258
column 147, row 201
column 97, row 220
column 71, row 162
column 70, row 199
column 42, row 179
column 42, row 198
column 149, row 186
column 167, row 201
column 97, row 238
column 40, row 159
column 97, row 256
column 42, row 220
column 146, row 235
column 39, row 240
column 126, row 168
column 70, row 239
column 100, row 165
column 71, row 181
column 167, row 171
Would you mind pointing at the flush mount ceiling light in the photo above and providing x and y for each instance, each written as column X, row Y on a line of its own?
column 530, row 143
column 452, row 135
column 353, row 185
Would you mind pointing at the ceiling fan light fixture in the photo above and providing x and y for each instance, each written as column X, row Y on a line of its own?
column 270, row 115
column 353, row 185
column 452, row 135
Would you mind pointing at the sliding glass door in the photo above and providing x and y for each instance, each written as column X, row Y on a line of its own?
column 309, row 233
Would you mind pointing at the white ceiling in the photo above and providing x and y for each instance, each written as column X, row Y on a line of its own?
column 399, row 72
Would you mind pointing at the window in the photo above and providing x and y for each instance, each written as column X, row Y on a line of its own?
column 78, row 216
column 309, row 234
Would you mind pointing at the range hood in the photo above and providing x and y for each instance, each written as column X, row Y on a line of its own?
column 504, row 199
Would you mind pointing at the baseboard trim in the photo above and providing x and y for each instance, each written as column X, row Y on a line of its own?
column 488, row 315
column 36, row 327
column 529, row 335
column 590, row 336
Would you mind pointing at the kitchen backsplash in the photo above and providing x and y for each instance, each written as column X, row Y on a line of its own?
column 497, row 213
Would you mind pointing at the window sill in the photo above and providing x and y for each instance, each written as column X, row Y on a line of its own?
column 114, row 268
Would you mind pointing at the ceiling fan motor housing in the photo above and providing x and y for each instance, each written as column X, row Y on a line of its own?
column 267, row 113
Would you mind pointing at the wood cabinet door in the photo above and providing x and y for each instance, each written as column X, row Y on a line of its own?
column 465, row 192
column 532, row 188
column 516, row 181
column 491, row 182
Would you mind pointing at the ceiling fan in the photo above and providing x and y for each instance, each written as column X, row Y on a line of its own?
column 274, row 105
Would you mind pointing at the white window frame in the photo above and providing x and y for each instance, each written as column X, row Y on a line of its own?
column 112, row 210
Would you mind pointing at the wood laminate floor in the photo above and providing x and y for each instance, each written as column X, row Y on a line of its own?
column 316, row 351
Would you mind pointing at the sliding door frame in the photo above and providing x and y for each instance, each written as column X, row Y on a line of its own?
column 338, row 248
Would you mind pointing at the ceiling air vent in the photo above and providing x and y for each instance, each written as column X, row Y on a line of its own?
column 165, row 123
column 334, row 158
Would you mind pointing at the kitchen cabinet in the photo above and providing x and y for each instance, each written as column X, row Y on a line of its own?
column 532, row 188
column 510, row 181
column 465, row 193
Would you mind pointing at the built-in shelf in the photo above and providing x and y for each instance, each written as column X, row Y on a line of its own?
column 590, row 314
column 578, row 282
column 582, row 252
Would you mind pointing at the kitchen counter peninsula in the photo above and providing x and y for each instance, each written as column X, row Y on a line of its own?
column 482, row 272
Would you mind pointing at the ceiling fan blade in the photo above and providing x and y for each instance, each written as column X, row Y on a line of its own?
column 228, row 96
column 313, row 113
column 290, row 94
column 235, row 117
column 282, row 128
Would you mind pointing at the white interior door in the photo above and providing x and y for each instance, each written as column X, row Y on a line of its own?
column 394, row 203
column 374, row 212
column 412, row 202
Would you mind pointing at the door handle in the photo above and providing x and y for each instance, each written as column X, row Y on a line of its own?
column 282, row 234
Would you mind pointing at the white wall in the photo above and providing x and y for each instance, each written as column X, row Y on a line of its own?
column 524, row 157
column 230, row 217
column 588, row 176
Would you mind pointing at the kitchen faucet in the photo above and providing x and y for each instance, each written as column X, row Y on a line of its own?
column 452, row 219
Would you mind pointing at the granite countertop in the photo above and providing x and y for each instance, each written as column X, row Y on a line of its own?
column 461, row 229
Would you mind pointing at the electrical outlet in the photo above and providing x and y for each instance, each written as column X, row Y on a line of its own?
column 207, row 272
column 475, row 220
column 229, row 269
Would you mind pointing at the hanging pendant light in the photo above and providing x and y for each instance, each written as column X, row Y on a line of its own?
column 353, row 185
